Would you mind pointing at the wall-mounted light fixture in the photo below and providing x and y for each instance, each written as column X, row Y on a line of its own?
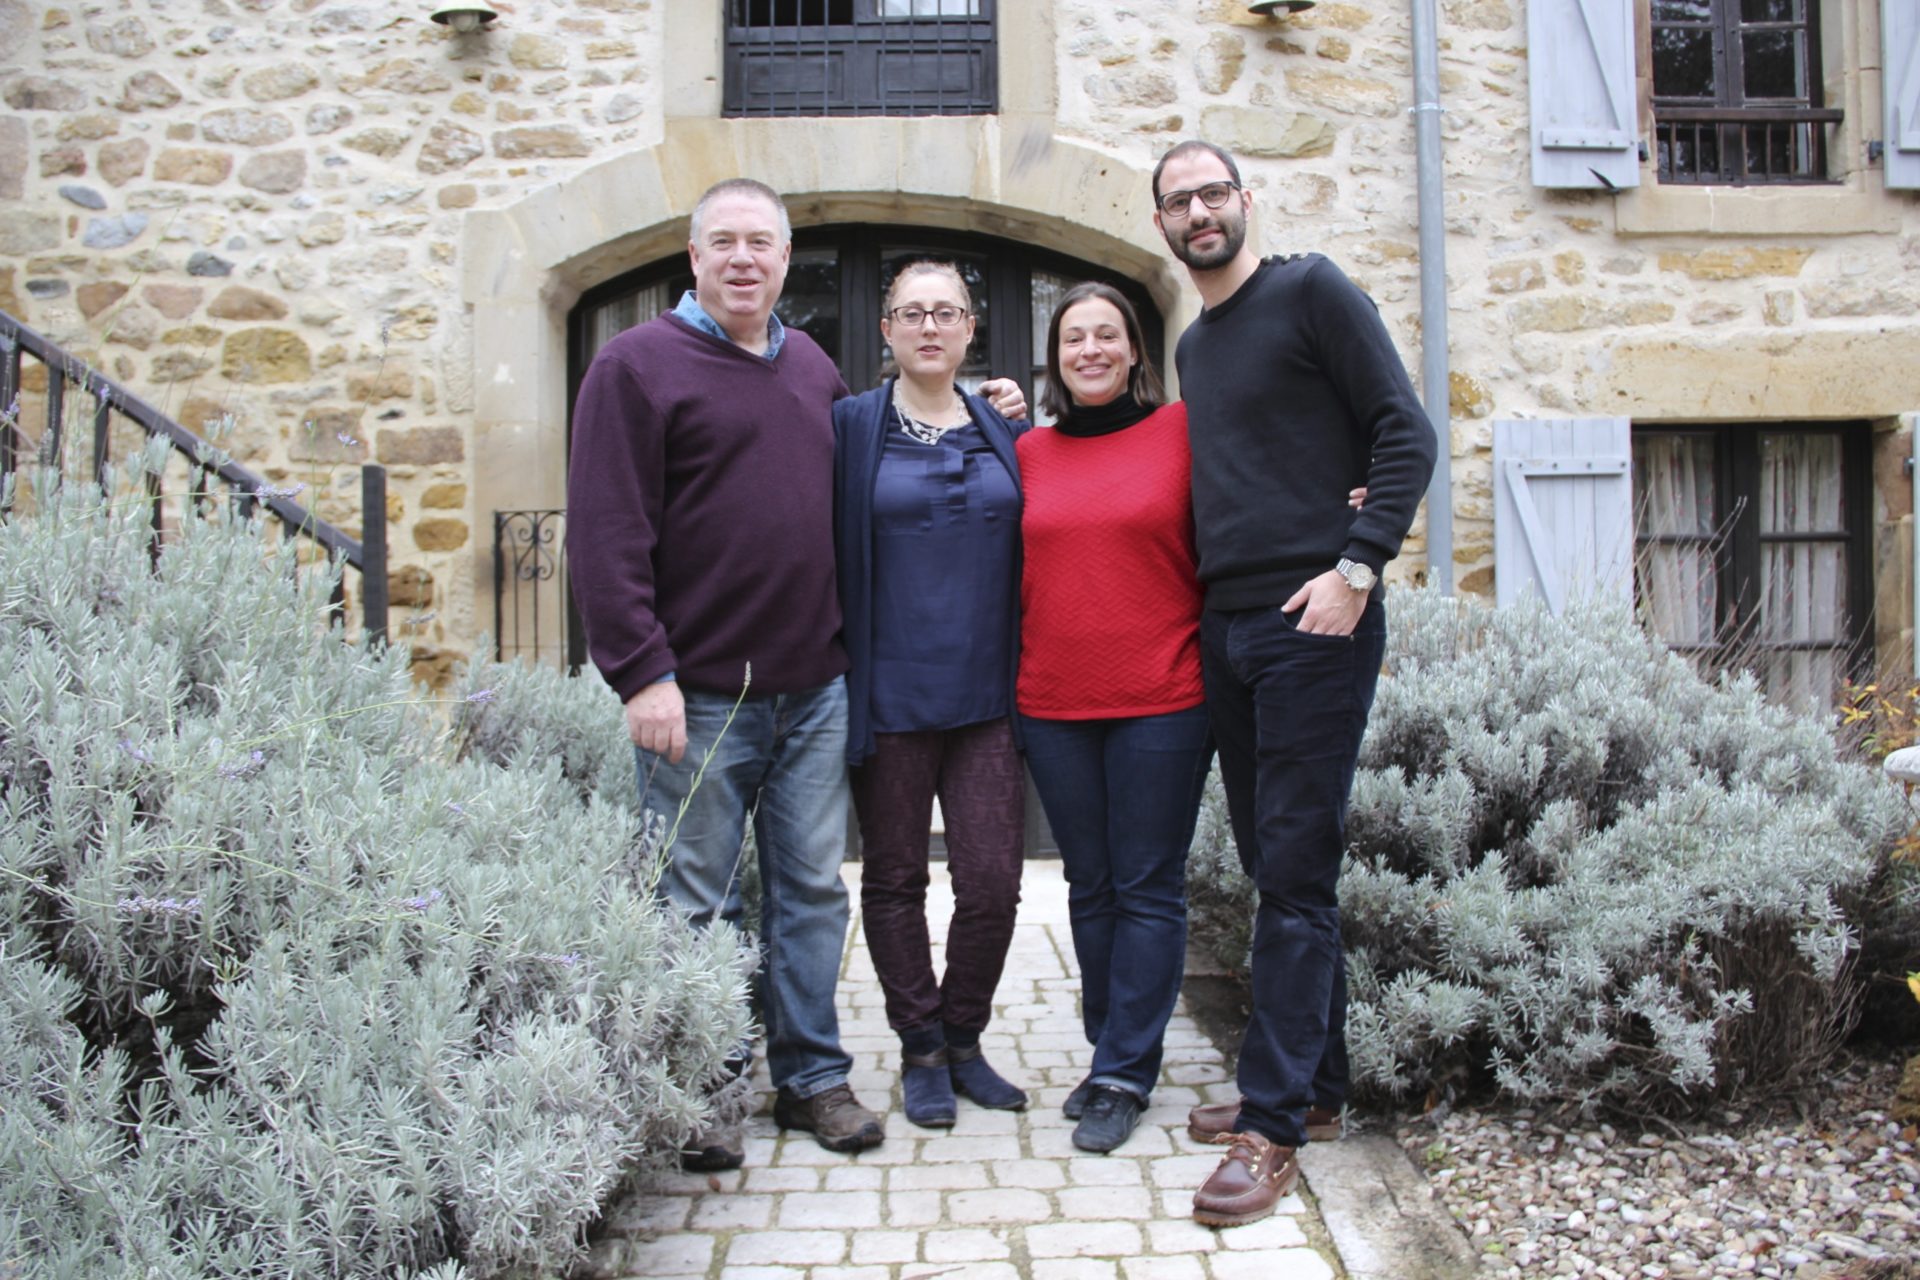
column 467, row 16
column 1279, row 8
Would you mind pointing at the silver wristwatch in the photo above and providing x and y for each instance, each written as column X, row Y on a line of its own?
column 1359, row 576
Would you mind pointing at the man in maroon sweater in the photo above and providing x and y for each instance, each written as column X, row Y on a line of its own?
column 701, row 547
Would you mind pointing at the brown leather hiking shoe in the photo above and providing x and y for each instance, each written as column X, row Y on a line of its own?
column 714, row 1147
column 1214, row 1121
column 833, row 1116
column 1253, row 1177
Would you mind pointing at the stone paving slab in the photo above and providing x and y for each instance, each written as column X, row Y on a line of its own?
column 1000, row 1195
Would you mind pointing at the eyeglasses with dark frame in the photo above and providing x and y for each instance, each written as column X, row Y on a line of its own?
column 945, row 317
column 1176, row 204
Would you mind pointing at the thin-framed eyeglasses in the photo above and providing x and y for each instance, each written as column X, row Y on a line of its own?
column 1175, row 204
column 944, row 316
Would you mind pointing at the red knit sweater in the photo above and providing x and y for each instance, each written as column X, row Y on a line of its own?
column 1110, row 597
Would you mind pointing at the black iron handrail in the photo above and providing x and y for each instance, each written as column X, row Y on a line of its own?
column 246, row 489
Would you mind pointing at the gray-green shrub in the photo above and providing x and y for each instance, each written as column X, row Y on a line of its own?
column 351, row 987
column 1578, row 870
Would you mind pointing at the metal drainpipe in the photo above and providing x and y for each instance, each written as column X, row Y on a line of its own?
column 1913, row 471
column 1434, row 386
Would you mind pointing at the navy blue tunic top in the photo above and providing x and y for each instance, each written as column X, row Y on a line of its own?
column 946, row 520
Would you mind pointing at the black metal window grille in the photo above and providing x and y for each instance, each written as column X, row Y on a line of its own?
column 1736, row 92
column 860, row 58
column 1753, row 551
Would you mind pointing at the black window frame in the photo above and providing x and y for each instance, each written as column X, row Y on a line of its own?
column 1736, row 541
column 846, row 58
column 1712, row 140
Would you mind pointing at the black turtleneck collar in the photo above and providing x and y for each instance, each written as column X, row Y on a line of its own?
column 1102, row 419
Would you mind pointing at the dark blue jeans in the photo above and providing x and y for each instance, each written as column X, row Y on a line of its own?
column 783, row 758
column 1122, row 797
column 1289, row 710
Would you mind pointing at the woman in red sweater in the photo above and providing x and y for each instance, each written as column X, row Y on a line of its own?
column 1111, row 705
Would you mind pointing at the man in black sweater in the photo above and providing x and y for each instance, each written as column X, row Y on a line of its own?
column 1295, row 395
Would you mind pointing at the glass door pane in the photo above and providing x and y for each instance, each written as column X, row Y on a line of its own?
column 811, row 300
column 1048, row 288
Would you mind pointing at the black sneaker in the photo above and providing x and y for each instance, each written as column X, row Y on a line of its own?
column 1076, row 1104
column 1108, row 1120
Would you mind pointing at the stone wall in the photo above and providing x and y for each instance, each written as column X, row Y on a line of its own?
column 1561, row 303
column 262, row 207
column 253, row 208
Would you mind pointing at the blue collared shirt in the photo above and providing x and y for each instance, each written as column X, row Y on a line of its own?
column 696, row 315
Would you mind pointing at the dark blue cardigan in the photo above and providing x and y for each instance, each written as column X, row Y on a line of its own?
column 860, row 425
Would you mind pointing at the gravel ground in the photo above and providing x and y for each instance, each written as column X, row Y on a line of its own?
column 1809, row 1187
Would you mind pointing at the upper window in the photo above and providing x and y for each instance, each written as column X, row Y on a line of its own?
column 1736, row 92
column 1753, row 551
column 860, row 57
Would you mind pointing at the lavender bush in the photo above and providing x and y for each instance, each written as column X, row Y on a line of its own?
column 299, row 974
column 1580, row 873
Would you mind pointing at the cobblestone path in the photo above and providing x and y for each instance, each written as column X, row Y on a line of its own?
column 1000, row 1196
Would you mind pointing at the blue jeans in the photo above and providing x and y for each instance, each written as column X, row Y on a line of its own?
column 1289, row 709
column 784, row 757
column 1122, row 797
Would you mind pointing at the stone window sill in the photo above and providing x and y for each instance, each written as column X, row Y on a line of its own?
column 1858, row 205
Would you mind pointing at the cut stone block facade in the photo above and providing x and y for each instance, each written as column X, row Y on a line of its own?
column 360, row 234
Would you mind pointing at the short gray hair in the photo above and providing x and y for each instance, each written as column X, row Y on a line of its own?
column 741, row 187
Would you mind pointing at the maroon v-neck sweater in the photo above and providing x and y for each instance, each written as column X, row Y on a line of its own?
column 700, row 512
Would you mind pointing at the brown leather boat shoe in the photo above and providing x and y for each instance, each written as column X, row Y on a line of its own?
column 1214, row 1121
column 1253, row 1177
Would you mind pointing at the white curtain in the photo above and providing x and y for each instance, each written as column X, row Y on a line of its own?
column 929, row 8
column 621, row 314
column 1803, row 585
column 1679, row 586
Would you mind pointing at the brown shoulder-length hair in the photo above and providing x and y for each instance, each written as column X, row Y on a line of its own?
column 1144, row 383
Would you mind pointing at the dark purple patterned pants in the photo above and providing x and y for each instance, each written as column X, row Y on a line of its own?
column 976, row 772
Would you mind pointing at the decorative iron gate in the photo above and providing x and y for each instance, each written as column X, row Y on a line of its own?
column 533, row 614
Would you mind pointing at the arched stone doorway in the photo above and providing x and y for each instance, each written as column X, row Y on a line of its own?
column 529, row 265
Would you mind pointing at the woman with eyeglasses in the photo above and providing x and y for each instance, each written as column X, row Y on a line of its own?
column 927, row 535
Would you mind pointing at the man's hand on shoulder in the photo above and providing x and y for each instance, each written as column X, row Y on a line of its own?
column 1332, row 608
column 1006, row 397
column 657, row 720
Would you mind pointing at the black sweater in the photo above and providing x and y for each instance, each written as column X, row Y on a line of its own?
column 1294, row 396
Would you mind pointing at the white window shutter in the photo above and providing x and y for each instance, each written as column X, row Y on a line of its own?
column 1562, row 510
column 1580, row 83
column 1900, row 63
